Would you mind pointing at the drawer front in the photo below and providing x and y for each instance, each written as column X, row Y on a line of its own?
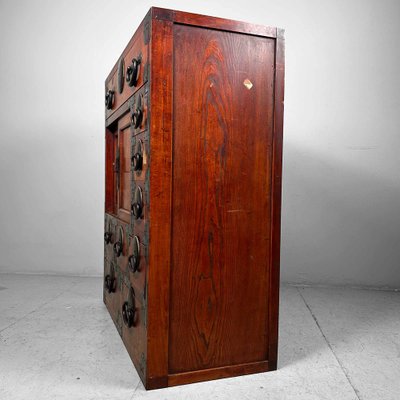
column 129, row 74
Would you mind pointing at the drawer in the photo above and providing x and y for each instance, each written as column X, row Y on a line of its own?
column 128, row 75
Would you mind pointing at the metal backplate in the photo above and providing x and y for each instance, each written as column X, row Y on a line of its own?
column 121, row 78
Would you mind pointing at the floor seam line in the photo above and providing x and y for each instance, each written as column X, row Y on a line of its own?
column 134, row 390
column 38, row 308
column 357, row 393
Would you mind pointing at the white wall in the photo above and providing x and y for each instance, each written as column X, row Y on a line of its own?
column 341, row 204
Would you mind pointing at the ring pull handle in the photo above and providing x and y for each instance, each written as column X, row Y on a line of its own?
column 107, row 237
column 137, row 113
column 109, row 99
column 118, row 245
column 128, row 314
column 137, row 205
column 110, row 283
column 129, row 310
column 133, row 72
column 134, row 259
column 118, row 248
column 137, row 158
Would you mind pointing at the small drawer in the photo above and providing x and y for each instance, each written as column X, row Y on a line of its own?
column 128, row 75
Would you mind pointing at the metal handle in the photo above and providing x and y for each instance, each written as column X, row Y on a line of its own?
column 109, row 99
column 129, row 309
column 137, row 162
column 137, row 205
column 137, row 210
column 107, row 237
column 121, row 75
column 133, row 71
column 134, row 259
column 110, row 283
column 118, row 248
column 137, row 117
column 137, row 158
column 128, row 314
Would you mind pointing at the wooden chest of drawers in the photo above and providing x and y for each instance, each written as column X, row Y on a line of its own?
column 194, row 120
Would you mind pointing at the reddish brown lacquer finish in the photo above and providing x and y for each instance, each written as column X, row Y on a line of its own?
column 193, row 180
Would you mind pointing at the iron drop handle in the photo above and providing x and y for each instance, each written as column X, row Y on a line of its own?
column 110, row 283
column 107, row 237
column 137, row 209
column 128, row 314
column 118, row 248
column 137, row 204
column 109, row 99
column 132, row 72
column 137, row 162
column 137, row 117
column 133, row 263
column 134, row 259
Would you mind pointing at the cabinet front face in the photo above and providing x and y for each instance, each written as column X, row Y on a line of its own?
column 221, row 198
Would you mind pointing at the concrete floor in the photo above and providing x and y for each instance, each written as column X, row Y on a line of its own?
column 58, row 342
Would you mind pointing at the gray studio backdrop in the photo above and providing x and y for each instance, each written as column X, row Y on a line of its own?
column 341, row 203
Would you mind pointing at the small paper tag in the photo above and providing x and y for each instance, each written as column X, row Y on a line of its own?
column 247, row 83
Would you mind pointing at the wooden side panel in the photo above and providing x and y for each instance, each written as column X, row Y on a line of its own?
column 221, row 216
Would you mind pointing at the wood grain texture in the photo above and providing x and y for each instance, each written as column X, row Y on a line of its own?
column 221, row 198
column 213, row 22
column 217, row 373
column 160, row 202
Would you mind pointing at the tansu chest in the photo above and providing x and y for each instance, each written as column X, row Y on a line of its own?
column 193, row 137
